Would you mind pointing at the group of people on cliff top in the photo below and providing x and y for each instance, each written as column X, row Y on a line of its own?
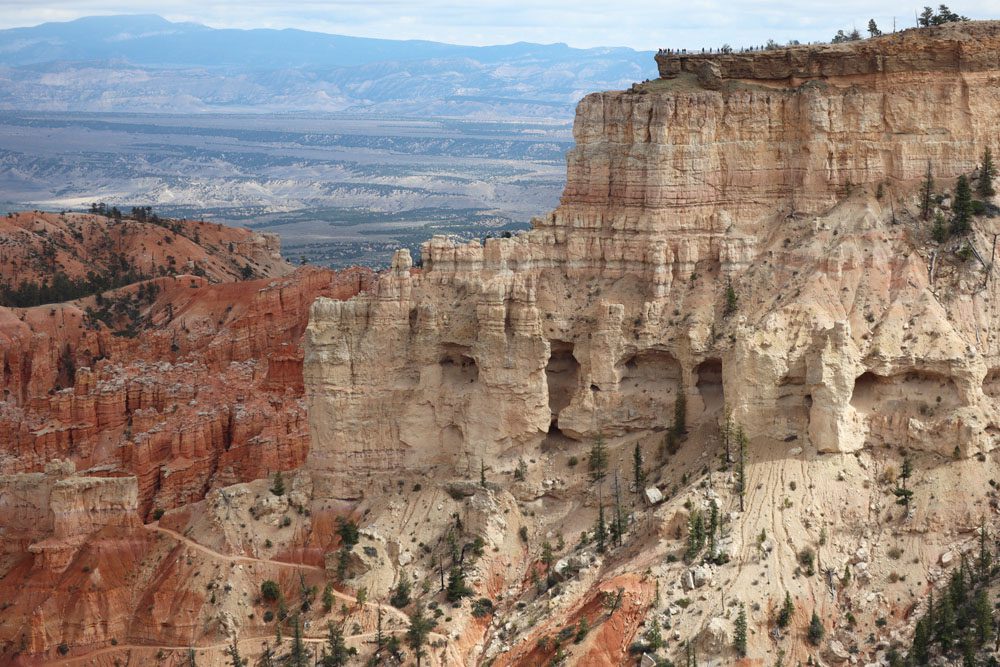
column 927, row 18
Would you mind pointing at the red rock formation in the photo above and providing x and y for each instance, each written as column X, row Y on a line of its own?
column 209, row 391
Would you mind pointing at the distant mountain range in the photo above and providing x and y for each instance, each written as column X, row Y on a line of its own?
column 146, row 63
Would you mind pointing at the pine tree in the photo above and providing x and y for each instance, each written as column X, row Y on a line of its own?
column 816, row 630
column 985, row 560
column 873, row 30
column 696, row 535
column 713, row 527
column 920, row 649
column 482, row 473
column 234, row 654
column 740, row 633
column 637, row 472
column 786, row 612
column 732, row 301
column 680, row 412
column 727, row 437
column 961, row 207
column 337, row 651
column 600, row 533
column 983, row 617
column 278, row 487
column 741, row 472
column 598, row 460
column 457, row 588
column 619, row 522
column 191, row 661
column 299, row 655
column 401, row 595
column 986, row 175
column 944, row 632
column 416, row 634
column 926, row 193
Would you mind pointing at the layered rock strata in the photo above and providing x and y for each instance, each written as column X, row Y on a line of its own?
column 595, row 321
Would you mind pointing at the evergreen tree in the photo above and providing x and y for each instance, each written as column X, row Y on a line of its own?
column 740, row 633
column 926, row 18
column 713, row 527
column 873, row 30
column 741, row 472
column 637, row 472
column 598, row 460
column 482, row 473
column 234, row 654
column 727, row 437
column 939, row 232
column 278, row 486
column 416, row 634
column 680, row 412
column 816, row 630
column 600, row 533
column 732, row 301
column 926, row 193
column 619, row 518
column 985, row 555
column 986, row 175
column 337, row 652
column 401, row 595
column 299, row 655
column 328, row 597
column 786, row 612
column 961, row 207
column 191, row 656
column 696, row 535
column 457, row 588
column 983, row 617
column 920, row 650
column 944, row 632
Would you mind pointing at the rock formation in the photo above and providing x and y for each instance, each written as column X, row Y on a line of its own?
column 595, row 320
column 744, row 232
column 738, row 292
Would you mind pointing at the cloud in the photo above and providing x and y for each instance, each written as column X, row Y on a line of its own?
column 642, row 24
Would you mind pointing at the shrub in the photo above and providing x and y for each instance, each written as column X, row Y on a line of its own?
column 158, row 514
column 482, row 607
column 270, row 591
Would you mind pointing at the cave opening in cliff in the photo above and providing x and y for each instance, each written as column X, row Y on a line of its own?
column 914, row 393
column 991, row 383
column 709, row 385
column 458, row 366
column 562, row 375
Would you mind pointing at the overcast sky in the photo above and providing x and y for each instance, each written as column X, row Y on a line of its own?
column 641, row 24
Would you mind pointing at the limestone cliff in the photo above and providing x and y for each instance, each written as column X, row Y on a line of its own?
column 594, row 321
column 746, row 233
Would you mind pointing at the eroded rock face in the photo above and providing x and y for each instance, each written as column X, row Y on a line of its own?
column 614, row 304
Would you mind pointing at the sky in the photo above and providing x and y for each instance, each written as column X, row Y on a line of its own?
column 640, row 24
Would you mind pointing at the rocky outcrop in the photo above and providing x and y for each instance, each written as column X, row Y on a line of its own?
column 614, row 304
column 204, row 388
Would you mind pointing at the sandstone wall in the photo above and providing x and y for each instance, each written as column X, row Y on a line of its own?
column 596, row 320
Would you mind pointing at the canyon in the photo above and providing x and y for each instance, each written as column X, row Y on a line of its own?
column 739, row 310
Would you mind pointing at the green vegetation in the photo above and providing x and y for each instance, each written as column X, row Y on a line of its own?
column 786, row 612
column 740, row 633
column 816, row 630
column 278, row 485
column 987, row 172
column 234, row 654
column 961, row 207
column 336, row 653
column 416, row 634
column 944, row 15
column 401, row 594
column 270, row 591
